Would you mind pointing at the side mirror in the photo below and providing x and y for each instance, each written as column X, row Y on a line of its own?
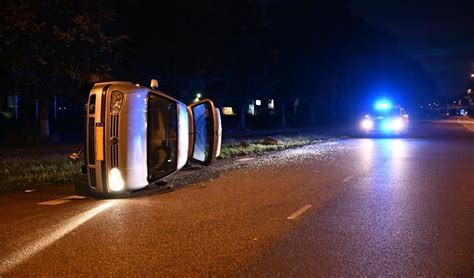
column 205, row 132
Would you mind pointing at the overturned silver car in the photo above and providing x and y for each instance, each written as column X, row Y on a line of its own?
column 137, row 136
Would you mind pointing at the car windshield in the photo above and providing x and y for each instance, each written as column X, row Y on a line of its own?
column 391, row 112
column 161, row 137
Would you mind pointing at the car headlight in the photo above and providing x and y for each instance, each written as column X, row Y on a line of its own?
column 115, row 180
column 367, row 124
column 116, row 100
column 398, row 124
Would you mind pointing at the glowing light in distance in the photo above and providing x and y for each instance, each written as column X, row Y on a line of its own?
column 398, row 124
column 382, row 105
column 367, row 124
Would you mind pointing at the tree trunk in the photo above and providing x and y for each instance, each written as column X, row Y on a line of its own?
column 44, row 118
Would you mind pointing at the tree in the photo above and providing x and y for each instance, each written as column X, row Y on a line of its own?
column 48, row 46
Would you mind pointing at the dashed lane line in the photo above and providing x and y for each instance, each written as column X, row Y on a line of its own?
column 75, row 197
column 299, row 212
column 54, row 202
column 63, row 200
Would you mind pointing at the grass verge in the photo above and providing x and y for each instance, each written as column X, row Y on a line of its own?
column 256, row 146
column 20, row 174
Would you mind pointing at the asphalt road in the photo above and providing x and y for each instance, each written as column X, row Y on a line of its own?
column 383, row 206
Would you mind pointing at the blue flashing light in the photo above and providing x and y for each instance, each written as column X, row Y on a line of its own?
column 383, row 105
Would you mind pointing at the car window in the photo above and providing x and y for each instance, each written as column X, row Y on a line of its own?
column 161, row 136
column 203, row 129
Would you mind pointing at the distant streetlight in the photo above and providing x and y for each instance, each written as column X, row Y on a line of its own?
column 472, row 75
column 197, row 98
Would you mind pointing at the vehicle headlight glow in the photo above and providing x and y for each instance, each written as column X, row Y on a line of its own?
column 116, row 100
column 398, row 124
column 115, row 180
column 367, row 124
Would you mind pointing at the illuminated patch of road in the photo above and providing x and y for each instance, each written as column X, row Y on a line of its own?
column 29, row 250
column 469, row 125
column 299, row 212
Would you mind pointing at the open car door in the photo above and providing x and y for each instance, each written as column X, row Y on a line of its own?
column 205, row 132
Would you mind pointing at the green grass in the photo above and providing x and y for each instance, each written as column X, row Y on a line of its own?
column 19, row 174
column 256, row 146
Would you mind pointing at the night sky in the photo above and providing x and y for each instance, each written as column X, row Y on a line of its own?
column 435, row 33
column 439, row 34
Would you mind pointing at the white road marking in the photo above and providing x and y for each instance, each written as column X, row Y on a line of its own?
column 63, row 200
column 74, row 197
column 299, row 212
column 29, row 250
column 30, row 190
column 347, row 179
column 54, row 202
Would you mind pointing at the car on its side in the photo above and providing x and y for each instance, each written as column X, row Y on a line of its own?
column 136, row 136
